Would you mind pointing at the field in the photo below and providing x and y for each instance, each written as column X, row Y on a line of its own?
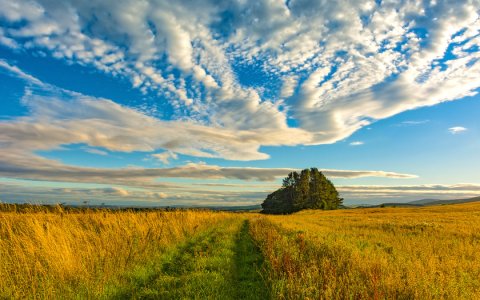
column 381, row 253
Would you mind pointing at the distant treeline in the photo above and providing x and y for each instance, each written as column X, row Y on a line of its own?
column 309, row 189
column 56, row 208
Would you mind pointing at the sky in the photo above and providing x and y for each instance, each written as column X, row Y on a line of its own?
column 212, row 103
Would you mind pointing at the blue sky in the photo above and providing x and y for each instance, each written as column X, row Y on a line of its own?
column 212, row 102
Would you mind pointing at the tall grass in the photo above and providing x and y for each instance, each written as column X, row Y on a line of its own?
column 52, row 254
column 395, row 253
column 219, row 263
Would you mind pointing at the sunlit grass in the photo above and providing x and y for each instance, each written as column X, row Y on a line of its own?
column 399, row 253
column 394, row 253
column 221, row 262
column 78, row 254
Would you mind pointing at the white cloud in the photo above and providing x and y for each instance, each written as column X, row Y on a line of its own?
column 61, row 117
column 116, row 191
column 36, row 168
column 6, row 41
column 413, row 122
column 356, row 143
column 341, row 66
column 288, row 86
column 157, row 195
column 457, row 129
column 165, row 157
column 95, row 151
column 24, row 192
column 15, row 71
column 101, row 123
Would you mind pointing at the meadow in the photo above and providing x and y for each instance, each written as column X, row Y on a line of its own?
column 87, row 254
column 375, row 253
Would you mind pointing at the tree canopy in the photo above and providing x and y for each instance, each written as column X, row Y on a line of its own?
column 309, row 189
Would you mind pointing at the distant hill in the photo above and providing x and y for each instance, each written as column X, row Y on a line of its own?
column 452, row 201
column 427, row 202
column 423, row 201
column 402, row 204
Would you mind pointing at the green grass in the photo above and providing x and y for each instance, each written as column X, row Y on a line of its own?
column 248, row 265
column 220, row 263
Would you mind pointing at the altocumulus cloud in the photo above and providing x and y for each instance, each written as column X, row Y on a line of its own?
column 394, row 56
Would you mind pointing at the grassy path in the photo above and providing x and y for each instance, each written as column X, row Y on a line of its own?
column 248, row 264
column 220, row 263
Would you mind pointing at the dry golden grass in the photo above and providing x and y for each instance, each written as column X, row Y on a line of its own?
column 394, row 253
column 78, row 254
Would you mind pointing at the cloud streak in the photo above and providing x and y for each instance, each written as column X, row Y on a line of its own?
column 212, row 194
column 43, row 169
column 403, row 193
column 457, row 129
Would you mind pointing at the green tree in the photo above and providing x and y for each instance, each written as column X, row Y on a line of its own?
column 302, row 189
column 278, row 202
column 308, row 190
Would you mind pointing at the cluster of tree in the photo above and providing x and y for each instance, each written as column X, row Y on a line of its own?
column 308, row 190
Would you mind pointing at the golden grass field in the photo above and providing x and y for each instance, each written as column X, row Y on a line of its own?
column 377, row 253
column 382, row 253
column 57, row 254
